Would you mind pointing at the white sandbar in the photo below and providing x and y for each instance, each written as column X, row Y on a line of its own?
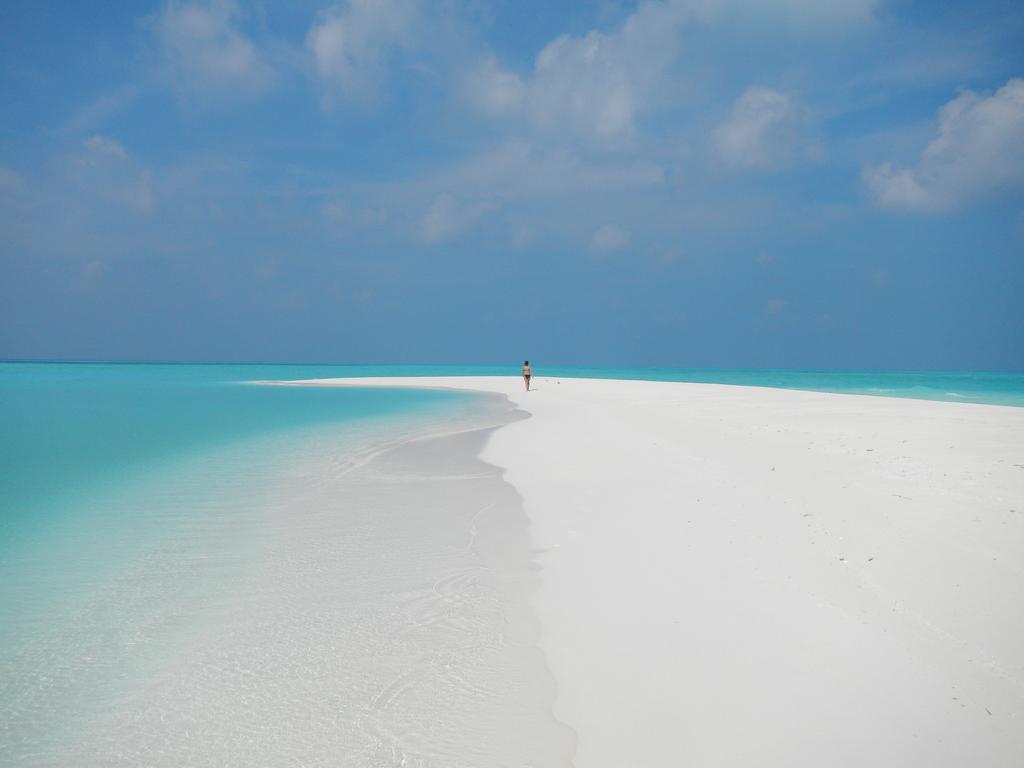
column 738, row 576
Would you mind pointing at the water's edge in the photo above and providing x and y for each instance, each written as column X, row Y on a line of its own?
column 987, row 387
column 374, row 606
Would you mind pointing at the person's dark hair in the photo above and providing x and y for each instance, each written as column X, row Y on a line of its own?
column 526, row 362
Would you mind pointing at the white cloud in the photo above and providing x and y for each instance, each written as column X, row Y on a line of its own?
column 206, row 52
column 495, row 91
column 592, row 86
column 979, row 150
column 895, row 188
column 353, row 42
column 447, row 218
column 764, row 132
column 597, row 85
column 107, row 171
column 609, row 238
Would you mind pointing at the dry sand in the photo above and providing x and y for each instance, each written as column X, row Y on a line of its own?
column 737, row 576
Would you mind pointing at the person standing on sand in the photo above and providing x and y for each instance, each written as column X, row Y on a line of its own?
column 527, row 374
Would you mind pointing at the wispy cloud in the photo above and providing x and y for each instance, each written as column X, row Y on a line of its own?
column 494, row 91
column 101, row 108
column 556, row 190
column 105, row 170
column 352, row 45
column 765, row 131
column 207, row 53
column 609, row 238
column 978, row 151
column 101, row 145
column 447, row 218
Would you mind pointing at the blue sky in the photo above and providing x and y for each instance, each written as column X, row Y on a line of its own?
column 727, row 183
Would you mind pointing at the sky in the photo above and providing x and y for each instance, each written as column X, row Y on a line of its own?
column 666, row 183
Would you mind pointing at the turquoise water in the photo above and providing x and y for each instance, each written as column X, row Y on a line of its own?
column 85, row 448
column 72, row 427
column 69, row 429
column 987, row 387
column 74, row 433
column 991, row 387
column 135, row 502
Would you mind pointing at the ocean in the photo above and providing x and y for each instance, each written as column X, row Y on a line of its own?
column 188, row 562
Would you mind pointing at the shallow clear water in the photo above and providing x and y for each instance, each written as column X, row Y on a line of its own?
column 99, row 458
column 73, row 426
column 195, row 570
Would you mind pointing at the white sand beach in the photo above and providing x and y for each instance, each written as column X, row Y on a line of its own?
column 738, row 576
